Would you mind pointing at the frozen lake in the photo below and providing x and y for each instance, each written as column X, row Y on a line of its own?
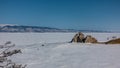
column 33, row 38
column 57, row 53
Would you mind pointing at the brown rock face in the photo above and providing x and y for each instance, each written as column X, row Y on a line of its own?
column 78, row 37
column 114, row 41
column 90, row 39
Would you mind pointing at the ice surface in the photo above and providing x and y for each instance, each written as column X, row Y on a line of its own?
column 57, row 53
column 34, row 38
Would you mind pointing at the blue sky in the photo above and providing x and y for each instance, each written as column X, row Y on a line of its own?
column 68, row 14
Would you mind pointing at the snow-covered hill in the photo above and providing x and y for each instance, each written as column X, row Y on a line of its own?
column 2, row 25
column 57, row 53
column 22, row 28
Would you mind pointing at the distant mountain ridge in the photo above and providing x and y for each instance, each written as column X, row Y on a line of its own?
column 21, row 28
column 2, row 25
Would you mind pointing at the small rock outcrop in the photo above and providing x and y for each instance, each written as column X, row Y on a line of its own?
column 114, row 41
column 79, row 38
column 90, row 39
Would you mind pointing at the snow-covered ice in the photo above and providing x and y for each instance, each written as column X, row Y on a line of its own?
column 57, row 53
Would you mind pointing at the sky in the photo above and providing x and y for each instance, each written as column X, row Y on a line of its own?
column 64, row 14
